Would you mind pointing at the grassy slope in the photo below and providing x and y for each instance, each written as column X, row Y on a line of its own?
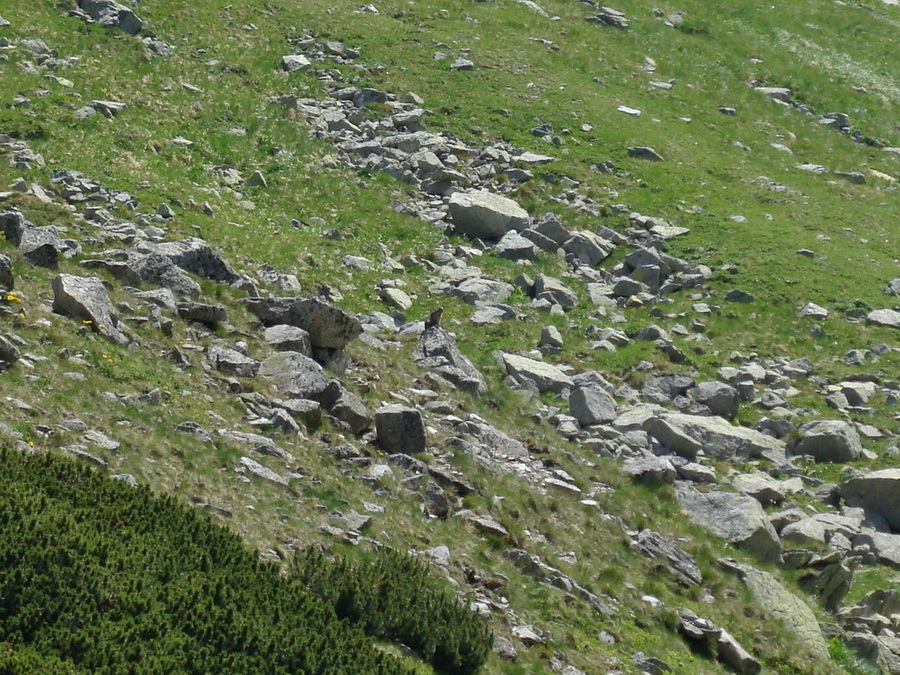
column 804, row 47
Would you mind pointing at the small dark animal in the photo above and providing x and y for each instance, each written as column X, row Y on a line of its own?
column 434, row 319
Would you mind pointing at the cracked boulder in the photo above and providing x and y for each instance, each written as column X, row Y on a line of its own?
column 197, row 257
column 328, row 325
column 111, row 14
column 829, row 441
column 877, row 492
column 687, row 435
column 86, row 298
column 400, row 429
column 437, row 351
column 295, row 375
column 484, row 215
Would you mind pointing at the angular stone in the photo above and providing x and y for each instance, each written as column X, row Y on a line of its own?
column 400, row 429
column 327, row 324
column 884, row 317
column 480, row 291
column 878, row 492
column 654, row 545
column 202, row 312
column 720, row 398
column 552, row 289
column 738, row 519
column 231, row 361
column 9, row 352
column 295, row 375
column 650, row 470
column 437, row 351
column 513, row 246
column 544, row 376
column 294, row 62
column 686, row 435
column 592, row 406
column 829, row 441
column 7, row 282
column 644, row 152
column 589, row 248
column 160, row 270
column 484, row 215
column 197, row 257
column 86, row 298
column 286, row 338
column 111, row 14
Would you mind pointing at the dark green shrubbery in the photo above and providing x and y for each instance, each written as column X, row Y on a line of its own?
column 392, row 596
column 99, row 577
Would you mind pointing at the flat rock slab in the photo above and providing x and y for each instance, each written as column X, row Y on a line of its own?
column 884, row 317
column 686, row 435
column 86, row 298
column 738, row 519
column 795, row 614
column 486, row 215
column 544, row 376
column 878, row 491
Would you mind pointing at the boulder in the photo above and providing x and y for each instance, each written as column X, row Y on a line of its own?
column 886, row 547
column 820, row 528
column 202, row 312
column 722, row 399
column 644, row 152
column 552, row 289
column 437, row 351
column 544, row 376
column 42, row 246
column 295, row 375
column 86, row 298
column 829, row 441
column 111, row 14
column 791, row 611
column 294, row 62
column 9, row 352
column 650, row 470
column 197, row 257
column 728, row 649
column 884, row 317
column 484, row 215
column 328, row 325
column 738, row 519
column 231, row 361
column 878, row 492
column 400, row 429
column 160, row 270
column 513, row 246
column 286, row 338
column 654, row 545
column 589, row 248
column 686, row 435
column 591, row 406
column 482, row 291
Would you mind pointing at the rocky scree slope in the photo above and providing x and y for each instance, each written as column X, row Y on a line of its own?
column 582, row 384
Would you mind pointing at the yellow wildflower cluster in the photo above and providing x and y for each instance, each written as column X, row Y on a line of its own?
column 11, row 297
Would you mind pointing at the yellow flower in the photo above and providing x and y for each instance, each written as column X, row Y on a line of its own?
column 12, row 297
column 87, row 322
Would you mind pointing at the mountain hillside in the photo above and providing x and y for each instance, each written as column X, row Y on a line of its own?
column 571, row 324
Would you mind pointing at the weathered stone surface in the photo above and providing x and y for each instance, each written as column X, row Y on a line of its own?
column 886, row 547
column 513, row 246
column 884, row 317
column 686, row 435
column 327, row 324
column 878, row 492
column 722, row 399
column 251, row 466
column 764, row 489
column 552, row 289
column 295, row 375
column 544, row 376
column 286, row 338
column 197, row 257
column 480, row 291
column 728, row 650
column 86, row 298
column 294, row 62
column 486, row 215
column 160, row 270
column 111, row 14
column 820, row 528
column 484, row 523
column 351, row 410
column 650, row 470
column 829, row 441
column 202, row 312
column 644, row 152
column 9, row 352
column 588, row 247
column 796, row 615
column 42, row 246
column 654, row 545
column 231, row 361
column 591, row 406
column 400, row 429
column 738, row 519
column 437, row 351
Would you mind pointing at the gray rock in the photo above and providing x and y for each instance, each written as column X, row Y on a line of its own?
column 878, row 492
column 160, row 270
column 480, row 291
column 886, row 547
column 738, row 519
column 893, row 287
column 484, row 523
column 295, row 375
column 820, row 528
column 9, row 352
column 294, row 62
column 197, row 257
column 544, row 376
column 654, row 545
column 650, row 470
column 513, row 246
column 589, row 248
column 285, row 338
column 767, row 491
column 591, row 406
column 108, row 109
column 728, row 649
column 884, row 317
column 720, row 398
column 786, row 607
column 829, row 441
column 552, row 289
column 327, row 324
column 111, row 14
column 42, row 246
column 437, row 351
column 782, row 94
column 202, row 312
column 231, row 361
column 686, row 435
column 251, row 466
column 7, row 283
column 86, row 298
column 486, row 215
column 738, row 296
column 400, row 429
column 644, row 152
